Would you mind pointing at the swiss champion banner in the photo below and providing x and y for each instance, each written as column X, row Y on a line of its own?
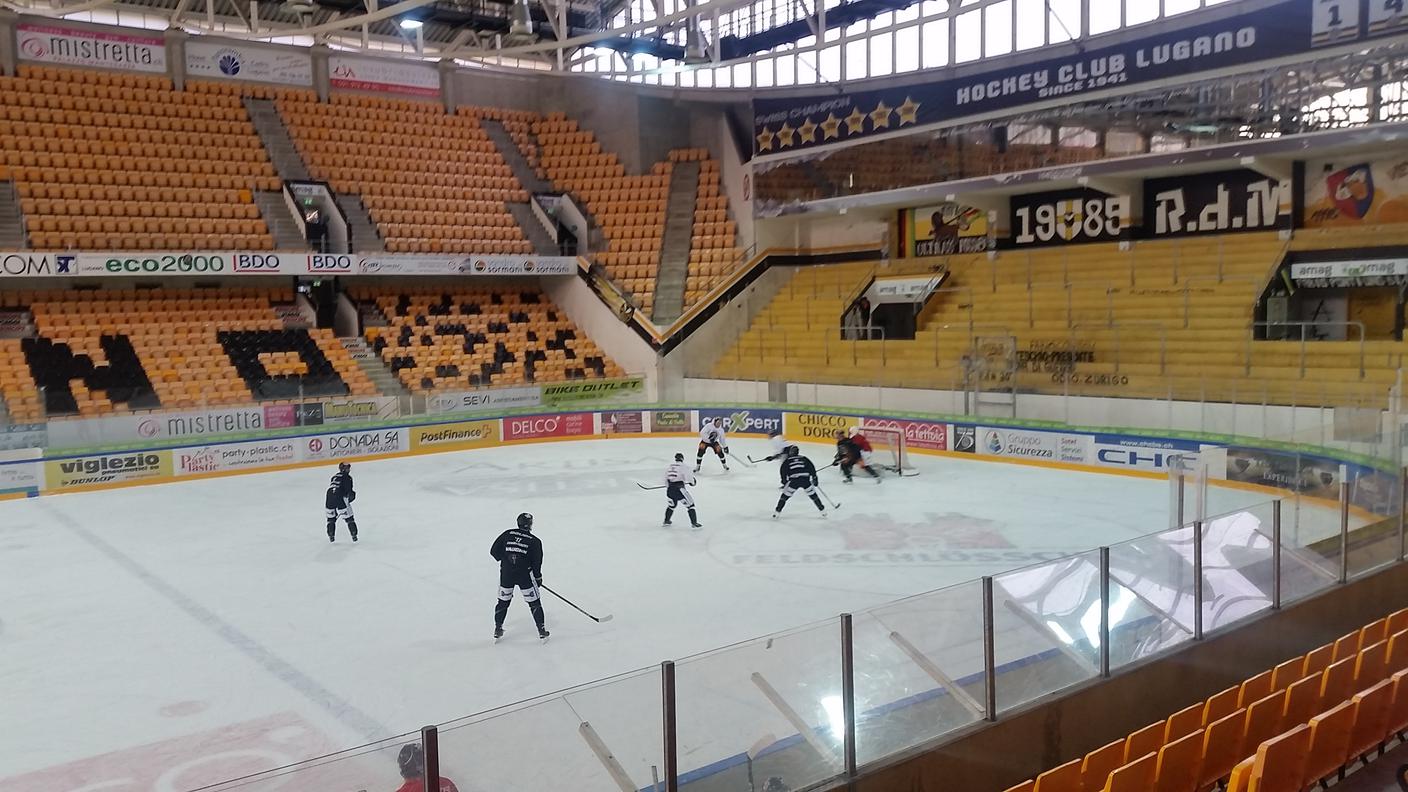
column 232, row 61
column 72, row 46
column 1284, row 29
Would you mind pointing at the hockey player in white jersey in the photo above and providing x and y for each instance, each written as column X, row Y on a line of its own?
column 777, row 447
column 712, row 436
column 678, row 480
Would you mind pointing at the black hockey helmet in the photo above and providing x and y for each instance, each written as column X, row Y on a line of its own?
column 343, row 467
column 679, row 457
column 411, row 761
column 791, row 450
column 525, row 521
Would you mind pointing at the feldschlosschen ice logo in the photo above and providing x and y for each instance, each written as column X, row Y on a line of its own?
column 229, row 62
column 954, row 531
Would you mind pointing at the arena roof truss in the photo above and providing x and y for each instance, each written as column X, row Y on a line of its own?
column 740, row 44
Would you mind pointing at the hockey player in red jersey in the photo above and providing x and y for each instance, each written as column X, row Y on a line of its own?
column 850, row 454
column 412, row 763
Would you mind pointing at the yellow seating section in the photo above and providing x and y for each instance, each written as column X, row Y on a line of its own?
column 479, row 337
column 713, row 251
column 630, row 210
column 1256, row 737
column 432, row 182
column 106, row 161
column 173, row 332
column 1163, row 319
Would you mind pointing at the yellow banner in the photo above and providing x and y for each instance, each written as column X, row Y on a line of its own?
column 947, row 229
column 91, row 471
column 463, row 434
column 815, row 428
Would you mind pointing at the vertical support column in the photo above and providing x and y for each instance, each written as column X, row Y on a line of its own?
column 1105, row 612
column 669, row 726
column 430, row 749
column 1182, row 485
column 1197, row 580
column 848, row 695
column 989, row 654
column 1276, row 554
column 176, row 57
column 1344, row 523
column 448, row 86
column 322, row 78
column 8, row 20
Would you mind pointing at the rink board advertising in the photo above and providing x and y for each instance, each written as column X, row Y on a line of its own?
column 1282, row 30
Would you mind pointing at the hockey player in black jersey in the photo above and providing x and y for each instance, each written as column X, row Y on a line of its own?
column 520, row 557
column 848, row 455
column 798, row 473
column 339, row 502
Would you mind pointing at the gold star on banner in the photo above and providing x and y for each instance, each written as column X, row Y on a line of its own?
column 765, row 139
column 855, row 122
column 831, row 127
column 909, row 112
column 807, row 131
column 880, row 116
column 785, row 134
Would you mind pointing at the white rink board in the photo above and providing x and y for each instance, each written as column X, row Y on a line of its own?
column 136, row 622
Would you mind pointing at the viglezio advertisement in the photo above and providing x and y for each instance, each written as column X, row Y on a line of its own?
column 87, row 471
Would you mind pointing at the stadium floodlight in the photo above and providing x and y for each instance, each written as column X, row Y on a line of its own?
column 411, row 24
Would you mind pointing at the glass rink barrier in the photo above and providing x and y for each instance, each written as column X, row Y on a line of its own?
column 812, row 705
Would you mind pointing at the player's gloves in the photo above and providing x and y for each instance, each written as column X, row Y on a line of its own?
column 816, row 482
column 352, row 497
column 538, row 580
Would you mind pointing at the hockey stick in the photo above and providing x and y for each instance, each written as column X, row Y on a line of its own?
column 833, row 503
column 605, row 618
column 642, row 486
column 758, row 461
column 730, row 453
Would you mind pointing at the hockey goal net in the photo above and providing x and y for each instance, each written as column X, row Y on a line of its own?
column 889, row 445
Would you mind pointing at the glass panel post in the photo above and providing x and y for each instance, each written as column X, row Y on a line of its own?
column 1402, row 509
column 1344, row 523
column 667, row 711
column 1197, row 580
column 848, row 695
column 430, row 745
column 1276, row 555
column 1105, row 612
column 989, row 654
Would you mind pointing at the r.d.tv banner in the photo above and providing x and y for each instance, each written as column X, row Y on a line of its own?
column 1288, row 28
column 1216, row 203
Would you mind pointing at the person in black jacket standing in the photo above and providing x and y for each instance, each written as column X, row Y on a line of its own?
column 520, row 557
column 339, row 502
column 797, row 473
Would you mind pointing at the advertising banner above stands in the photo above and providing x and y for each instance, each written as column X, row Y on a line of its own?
column 233, row 61
column 1289, row 28
column 1349, row 274
column 35, row 264
column 70, row 46
column 383, row 264
column 385, row 76
column 1216, row 203
column 1067, row 216
column 944, row 230
column 1356, row 192
column 473, row 401
column 903, row 290
column 567, row 393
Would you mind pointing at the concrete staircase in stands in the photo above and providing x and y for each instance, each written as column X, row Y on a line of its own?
column 287, row 235
column 12, row 236
column 365, row 238
column 674, row 246
column 533, row 228
column 503, row 140
column 282, row 152
column 385, row 382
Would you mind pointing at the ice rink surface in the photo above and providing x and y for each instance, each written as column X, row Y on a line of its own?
column 142, row 627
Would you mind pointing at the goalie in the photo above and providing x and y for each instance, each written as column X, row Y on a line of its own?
column 851, row 454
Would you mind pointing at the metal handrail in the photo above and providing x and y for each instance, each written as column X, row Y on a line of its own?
column 971, row 327
column 1117, row 326
column 1251, row 336
column 1188, row 287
